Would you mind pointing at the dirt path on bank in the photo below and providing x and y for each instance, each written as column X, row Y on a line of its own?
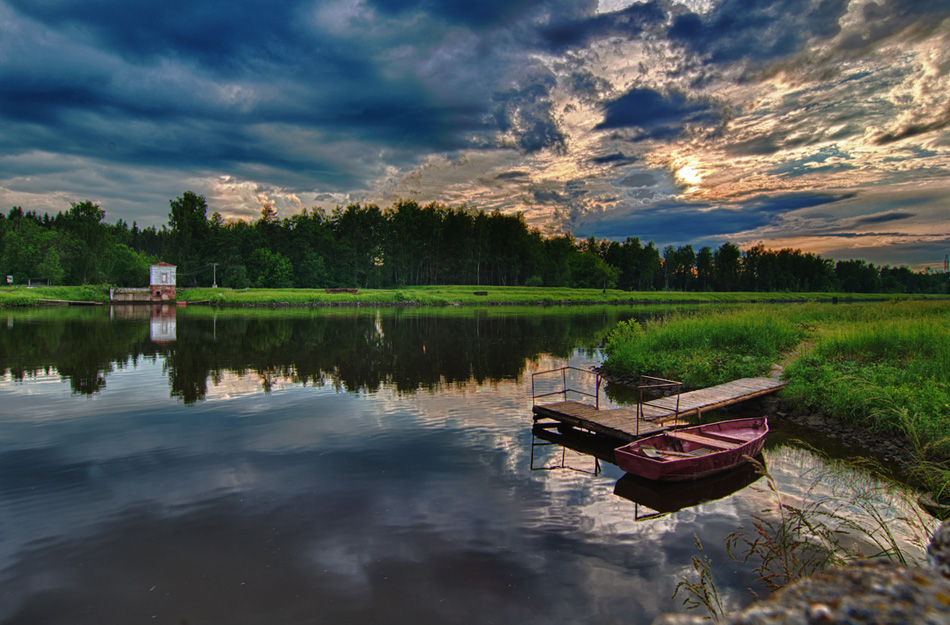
column 802, row 349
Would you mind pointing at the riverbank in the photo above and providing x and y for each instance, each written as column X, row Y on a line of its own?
column 438, row 296
column 36, row 296
column 869, row 374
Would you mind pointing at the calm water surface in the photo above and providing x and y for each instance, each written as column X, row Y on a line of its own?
column 328, row 466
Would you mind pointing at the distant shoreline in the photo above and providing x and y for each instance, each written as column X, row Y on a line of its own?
column 632, row 302
column 443, row 296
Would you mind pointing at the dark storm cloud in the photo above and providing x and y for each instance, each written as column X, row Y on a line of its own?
column 482, row 14
column 910, row 252
column 759, row 146
column 229, row 37
column 547, row 196
column 674, row 222
column 528, row 115
column 638, row 180
column 585, row 84
column 858, row 235
column 759, row 31
column 794, row 201
column 288, row 69
column 186, row 85
column 887, row 17
column 617, row 158
column 880, row 218
column 629, row 22
column 398, row 112
column 512, row 175
column 658, row 116
column 912, row 130
column 174, row 144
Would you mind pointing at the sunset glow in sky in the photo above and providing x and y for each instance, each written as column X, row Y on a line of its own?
column 817, row 124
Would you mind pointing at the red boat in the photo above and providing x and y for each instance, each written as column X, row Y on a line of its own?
column 694, row 452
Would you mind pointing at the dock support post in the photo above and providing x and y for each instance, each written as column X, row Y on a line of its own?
column 597, row 391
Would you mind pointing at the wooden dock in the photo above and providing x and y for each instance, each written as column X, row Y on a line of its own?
column 633, row 422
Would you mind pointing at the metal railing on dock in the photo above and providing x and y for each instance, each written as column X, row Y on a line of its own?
column 650, row 385
column 655, row 402
column 565, row 389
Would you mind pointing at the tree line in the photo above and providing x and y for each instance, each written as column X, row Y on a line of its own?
column 365, row 246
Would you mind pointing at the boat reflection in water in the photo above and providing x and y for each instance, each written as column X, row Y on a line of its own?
column 660, row 497
column 668, row 497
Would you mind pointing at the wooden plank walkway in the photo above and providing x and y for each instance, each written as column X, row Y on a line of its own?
column 695, row 403
column 620, row 423
column 623, row 424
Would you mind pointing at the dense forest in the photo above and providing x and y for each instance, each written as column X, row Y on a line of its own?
column 365, row 246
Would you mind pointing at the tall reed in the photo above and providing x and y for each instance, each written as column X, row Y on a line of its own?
column 841, row 517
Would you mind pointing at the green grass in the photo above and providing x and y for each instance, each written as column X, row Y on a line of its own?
column 30, row 296
column 703, row 349
column 888, row 372
column 884, row 366
column 430, row 295
column 443, row 295
column 440, row 295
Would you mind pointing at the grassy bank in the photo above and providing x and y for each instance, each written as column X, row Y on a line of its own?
column 431, row 295
column 449, row 295
column 885, row 367
column 882, row 366
column 32, row 296
column 703, row 349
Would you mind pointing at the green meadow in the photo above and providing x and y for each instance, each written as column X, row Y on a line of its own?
column 433, row 295
column 32, row 296
column 883, row 366
column 449, row 295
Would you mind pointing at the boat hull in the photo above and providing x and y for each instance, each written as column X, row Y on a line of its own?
column 695, row 452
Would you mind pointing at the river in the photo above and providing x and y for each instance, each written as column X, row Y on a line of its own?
column 361, row 466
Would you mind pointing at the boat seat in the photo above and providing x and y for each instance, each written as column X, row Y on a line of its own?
column 729, row 438
column 703, row 440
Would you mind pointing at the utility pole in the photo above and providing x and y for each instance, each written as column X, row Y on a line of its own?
column 214, row 275
column 946, row 263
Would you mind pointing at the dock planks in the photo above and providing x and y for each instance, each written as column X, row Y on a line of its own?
column 695, row 403
column 623, row 424
column 618, row 423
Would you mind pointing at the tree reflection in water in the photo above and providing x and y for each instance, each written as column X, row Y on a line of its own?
column 355, row 349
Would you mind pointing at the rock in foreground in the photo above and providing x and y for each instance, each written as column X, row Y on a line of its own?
column 870, row 591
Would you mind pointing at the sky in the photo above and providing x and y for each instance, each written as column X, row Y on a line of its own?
column 822, row 125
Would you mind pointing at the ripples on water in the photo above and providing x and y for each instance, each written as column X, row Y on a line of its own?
column 313, row 503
